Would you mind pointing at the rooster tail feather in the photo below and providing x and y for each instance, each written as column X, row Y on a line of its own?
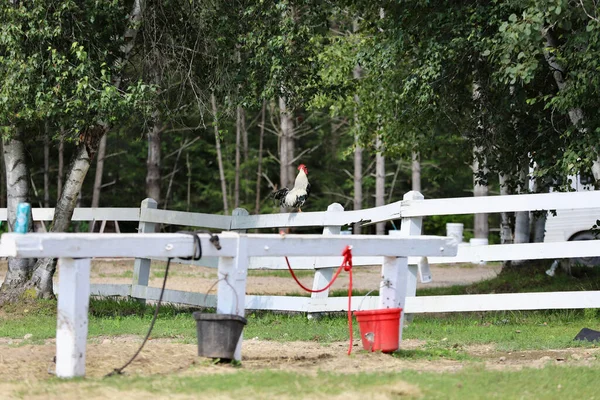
column 280, row 194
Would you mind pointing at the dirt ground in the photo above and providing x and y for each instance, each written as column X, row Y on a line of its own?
column 161, row 356
column 200, row 279
column 30, row 365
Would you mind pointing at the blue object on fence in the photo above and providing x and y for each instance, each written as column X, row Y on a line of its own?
column 22, row 220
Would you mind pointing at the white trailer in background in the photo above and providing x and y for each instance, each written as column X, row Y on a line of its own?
column 575, row 224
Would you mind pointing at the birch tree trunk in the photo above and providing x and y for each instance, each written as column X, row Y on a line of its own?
column 213, row 102
column 238, row 139
column 522, row 229
column 358, row 151
column 416, row 172
column 358, row 188
column 537, row 218
column 379, row 181
column 481, row 221
column 505, row 229
column 17, row 191
column 63, row 212
column 46, row 166
column 286, row 145
column 2, row 179
column 153, row 161
column 61, row 164
column 260, row 156
column 99, row 173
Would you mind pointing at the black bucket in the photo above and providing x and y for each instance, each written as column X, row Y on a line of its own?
column 218, row 334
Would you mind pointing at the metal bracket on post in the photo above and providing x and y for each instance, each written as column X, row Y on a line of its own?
column 323, row 275
column 141, row 266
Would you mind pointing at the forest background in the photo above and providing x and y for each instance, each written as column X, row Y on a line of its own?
column 209, row 105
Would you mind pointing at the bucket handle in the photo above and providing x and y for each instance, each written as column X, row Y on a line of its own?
column 364, row 298
column 237, row 309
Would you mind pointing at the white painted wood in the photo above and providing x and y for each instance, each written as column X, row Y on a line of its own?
column 186, row 218
column 410, row 227
column 208, row 261
column 239, row 212
column 508, row 302
column 321, row 218
column 522, row 251
column 72, row 319
column 141, row 266
column 181, row 245
column 320, row 262
column 393, row 276
column 85, row 214
column 496, row 204
column 393, row 287
column 110, row 289
column 231, row 289
column 422, row 304
column 148, row 245
column 283, row 303
column 174, row 296
column 323, row 275
column 262, row 245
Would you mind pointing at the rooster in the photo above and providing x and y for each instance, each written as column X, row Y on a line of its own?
column 295, row 197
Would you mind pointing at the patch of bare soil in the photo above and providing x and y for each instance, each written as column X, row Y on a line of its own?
column 26, row 362
column 24, row 367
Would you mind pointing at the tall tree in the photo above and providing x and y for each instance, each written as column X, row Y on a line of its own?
column 72, row 77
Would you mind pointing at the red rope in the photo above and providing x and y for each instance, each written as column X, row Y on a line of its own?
column 347, row 266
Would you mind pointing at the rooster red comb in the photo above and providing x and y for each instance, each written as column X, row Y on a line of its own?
column 303, row 168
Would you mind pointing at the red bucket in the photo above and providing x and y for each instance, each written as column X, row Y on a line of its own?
column 379, row 329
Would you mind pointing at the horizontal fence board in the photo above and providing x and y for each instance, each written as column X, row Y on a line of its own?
column 85, row 214
column 522, row 251
column 309, row 263
column 208, row 261
column 110, row 289
column 174, row 296
column 496, row 204
column 277, row 303
column 265, row 245
column 182, row 218
column 414, row 305
column 503, row 302
column 319, row 218
column 148, row 245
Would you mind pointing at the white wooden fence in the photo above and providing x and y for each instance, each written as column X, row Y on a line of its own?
column 411, row 210
column 76, row 249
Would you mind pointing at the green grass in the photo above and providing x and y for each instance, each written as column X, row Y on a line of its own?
column 527, row 278
column 507, row 331
column 281, row 273
column 550, row 383
column 531, row 330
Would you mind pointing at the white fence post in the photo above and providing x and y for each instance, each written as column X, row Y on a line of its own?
column 141, row 266
column 323, row 275
column 231, row 290
column 239, row 212
column 72, row 319
column 412, row 227
column 399, row 280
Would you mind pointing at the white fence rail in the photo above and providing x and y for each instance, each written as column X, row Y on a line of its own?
column 75, row 250
column 411, row 210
